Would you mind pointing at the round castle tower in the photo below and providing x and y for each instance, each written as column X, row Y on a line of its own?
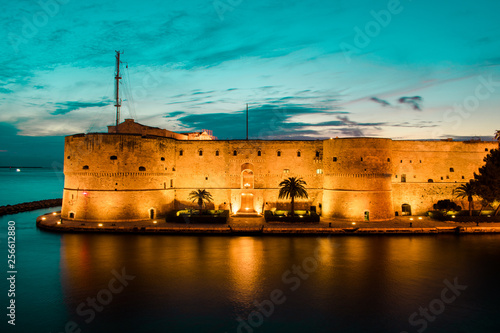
column 357, row 179
column 117, row 177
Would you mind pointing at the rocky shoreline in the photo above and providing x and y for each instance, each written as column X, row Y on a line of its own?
column 29, row 206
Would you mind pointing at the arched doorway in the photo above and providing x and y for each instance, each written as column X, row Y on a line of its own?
column 406, row 210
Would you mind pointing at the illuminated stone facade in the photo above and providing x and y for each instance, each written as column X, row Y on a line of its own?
column 123, row 176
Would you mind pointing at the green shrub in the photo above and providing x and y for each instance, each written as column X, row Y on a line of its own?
column 447, row 205
column 194, row 216
column 280, row 216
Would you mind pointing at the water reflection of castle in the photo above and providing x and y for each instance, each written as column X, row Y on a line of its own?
column 141, row 172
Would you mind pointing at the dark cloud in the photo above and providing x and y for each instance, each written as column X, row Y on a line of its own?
column 418, row 124
column 178, row 96
column 413, row 101
column 214, row 57
column 346, row 121
column 265, row 121
column 15, row 72
column 5, row 91
column 354, row 128
column 274, row 121
column 199, row 92
column 319, row 99
column 353, row 132
column 324, row 98
column 383, row 102
column 173, row 114
column 67, row 107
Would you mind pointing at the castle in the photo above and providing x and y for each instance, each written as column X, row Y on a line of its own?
column 135, row 172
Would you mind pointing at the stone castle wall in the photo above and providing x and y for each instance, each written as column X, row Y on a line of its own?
column 427, row 171
column 118, row 177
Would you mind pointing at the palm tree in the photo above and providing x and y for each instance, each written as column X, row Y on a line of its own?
column 200, row 196
column 294, row 188
column 467, row 191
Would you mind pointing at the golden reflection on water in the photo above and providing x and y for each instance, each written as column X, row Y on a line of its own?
column 245, row 269
column 240, row 260
column 182, row 274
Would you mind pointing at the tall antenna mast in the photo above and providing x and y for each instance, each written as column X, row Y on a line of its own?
column 247, row 121
column 117, row 89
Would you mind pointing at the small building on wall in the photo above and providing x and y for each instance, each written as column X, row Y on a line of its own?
column 141, row 172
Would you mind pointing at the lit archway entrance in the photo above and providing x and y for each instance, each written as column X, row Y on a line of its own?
column 247, row 179
column 406, row 210
column 247, row 204
column 247, row 176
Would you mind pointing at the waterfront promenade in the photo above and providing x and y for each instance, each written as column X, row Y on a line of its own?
column 258, row 226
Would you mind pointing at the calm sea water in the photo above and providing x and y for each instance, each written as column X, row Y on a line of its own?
column 250, row 284
column 30, row 185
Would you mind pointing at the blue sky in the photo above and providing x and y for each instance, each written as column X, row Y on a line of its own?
column 309, row 69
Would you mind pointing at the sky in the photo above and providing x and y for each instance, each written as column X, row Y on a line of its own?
column 404, row 69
